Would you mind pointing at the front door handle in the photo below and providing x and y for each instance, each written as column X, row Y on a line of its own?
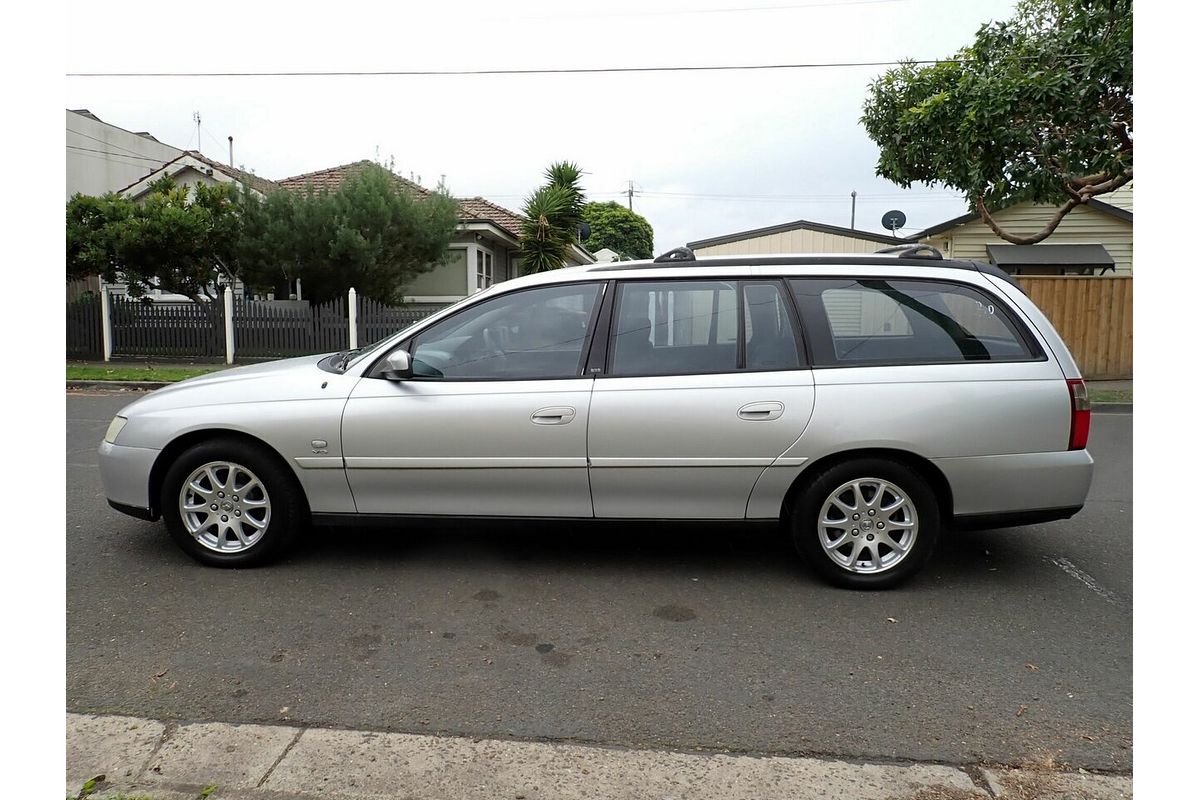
column 760, row 411
column 555, row 415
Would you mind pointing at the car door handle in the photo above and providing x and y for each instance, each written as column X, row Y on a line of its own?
column 758, row 411
column 555, row 415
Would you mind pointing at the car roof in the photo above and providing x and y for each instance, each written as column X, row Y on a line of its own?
column 703, row 266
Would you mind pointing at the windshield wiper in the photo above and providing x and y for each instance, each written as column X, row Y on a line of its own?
column 342, row 359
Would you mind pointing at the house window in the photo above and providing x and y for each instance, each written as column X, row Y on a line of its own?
column 483, row 269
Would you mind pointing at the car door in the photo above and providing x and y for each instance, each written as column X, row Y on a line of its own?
column 705, row 387
column 493, row 421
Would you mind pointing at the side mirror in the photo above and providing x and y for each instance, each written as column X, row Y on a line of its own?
column 397, row 366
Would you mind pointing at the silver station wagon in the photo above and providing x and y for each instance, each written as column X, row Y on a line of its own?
column 865, row 402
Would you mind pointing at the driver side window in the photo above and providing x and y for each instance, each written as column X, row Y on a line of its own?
column 526, row 335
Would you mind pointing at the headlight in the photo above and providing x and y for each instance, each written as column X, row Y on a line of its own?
column 114, row 429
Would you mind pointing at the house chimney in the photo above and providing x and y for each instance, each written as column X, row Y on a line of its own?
column 231, row 151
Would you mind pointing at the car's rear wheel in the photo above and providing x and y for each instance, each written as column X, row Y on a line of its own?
column 867, row 523
column 228, row 503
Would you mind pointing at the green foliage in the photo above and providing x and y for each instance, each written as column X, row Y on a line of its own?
column 1038, row 109
column 370, row 234
column 616, row 227
column 552, row 217
column 176, row 240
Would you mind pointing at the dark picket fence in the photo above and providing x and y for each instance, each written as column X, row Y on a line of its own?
column 167, row 329
column 84, row 340
column 377, row 321
column 331, row 326
column 261, row 329
column 273, row 330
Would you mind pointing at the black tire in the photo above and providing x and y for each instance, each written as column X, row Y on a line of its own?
column 288, row 513
column 806, row 532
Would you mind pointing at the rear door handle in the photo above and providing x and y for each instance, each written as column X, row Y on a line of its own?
column 555, row 415
column 761, row 411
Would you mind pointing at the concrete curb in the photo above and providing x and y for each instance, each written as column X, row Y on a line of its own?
column 166, row 760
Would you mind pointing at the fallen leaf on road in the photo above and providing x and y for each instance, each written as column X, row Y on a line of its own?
column 1031, row 667
column 160, row 674
column 1022, row 710
column 891, row 619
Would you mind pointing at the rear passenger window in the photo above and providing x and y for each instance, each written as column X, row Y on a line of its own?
column 876, row 321
column 676, row 328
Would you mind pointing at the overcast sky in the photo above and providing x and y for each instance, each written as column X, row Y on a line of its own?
column 709, row 153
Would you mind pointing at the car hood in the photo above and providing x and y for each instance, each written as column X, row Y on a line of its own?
column 273, row 381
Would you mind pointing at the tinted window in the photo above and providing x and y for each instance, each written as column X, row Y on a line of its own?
column 537, row 333
column 676, row 328
column 770, row 343
column 875, row 321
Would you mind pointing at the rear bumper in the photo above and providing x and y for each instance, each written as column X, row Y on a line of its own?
column 125, row 473
column 1053, row 485
column 1012, row 519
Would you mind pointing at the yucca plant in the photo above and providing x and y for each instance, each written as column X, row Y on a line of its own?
column 552, row 217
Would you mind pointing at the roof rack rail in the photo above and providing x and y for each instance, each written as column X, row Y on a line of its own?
column 912, row 251
column 678, row 254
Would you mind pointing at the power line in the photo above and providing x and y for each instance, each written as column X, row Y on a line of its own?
column 546, row 71
column 105, row 156
column 734, row 10
column 108, row 143
column 157, row 161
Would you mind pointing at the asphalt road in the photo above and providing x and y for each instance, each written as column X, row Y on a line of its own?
column 1012, row 646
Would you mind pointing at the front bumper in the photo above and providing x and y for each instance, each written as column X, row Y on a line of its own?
column 125, row 473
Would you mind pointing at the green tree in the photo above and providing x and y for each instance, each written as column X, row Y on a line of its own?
column 1038, row 109
column 552, row 218
column 178, row 240
column 369, row 234
column 619, row 229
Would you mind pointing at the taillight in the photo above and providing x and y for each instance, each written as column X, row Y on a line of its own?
column 1081, row 414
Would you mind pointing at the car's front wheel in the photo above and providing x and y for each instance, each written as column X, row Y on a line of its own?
column 228, row 503
column 866, row 523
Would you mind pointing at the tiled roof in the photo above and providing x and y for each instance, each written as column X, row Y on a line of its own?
column 470, row 208
column 478, row 208
column 330, row 179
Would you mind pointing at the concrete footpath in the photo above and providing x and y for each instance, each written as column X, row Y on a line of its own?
column 146, row 758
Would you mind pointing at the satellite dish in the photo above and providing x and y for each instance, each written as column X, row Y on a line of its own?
column 894, row 220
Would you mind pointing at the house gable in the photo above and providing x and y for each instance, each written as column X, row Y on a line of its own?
column 800, row 236
column 192, row 168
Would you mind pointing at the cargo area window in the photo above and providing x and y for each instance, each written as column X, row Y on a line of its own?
column 890, row 322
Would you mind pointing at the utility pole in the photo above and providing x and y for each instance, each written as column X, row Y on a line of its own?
column 231, row 151
column 853, row 200
column 196, row 116
column 630, row 193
